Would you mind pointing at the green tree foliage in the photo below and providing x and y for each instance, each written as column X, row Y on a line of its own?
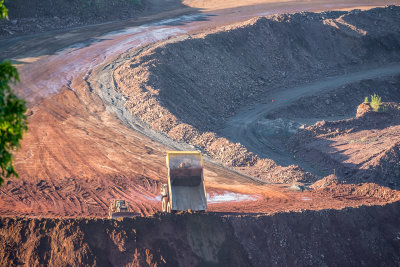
column 3, row 10
column 13, row 121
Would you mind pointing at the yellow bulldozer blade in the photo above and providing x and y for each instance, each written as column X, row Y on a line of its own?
column 116, row 215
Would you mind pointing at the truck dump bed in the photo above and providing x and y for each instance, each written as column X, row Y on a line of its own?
column 186, row 181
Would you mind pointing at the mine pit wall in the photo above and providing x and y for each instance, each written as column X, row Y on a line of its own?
column 365, row 236
column 186, row 87
column 203, row 79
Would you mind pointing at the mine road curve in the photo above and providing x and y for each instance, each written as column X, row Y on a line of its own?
column 243, row 127
column 51, row 61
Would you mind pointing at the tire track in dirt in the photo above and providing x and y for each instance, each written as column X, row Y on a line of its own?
column 75, row 126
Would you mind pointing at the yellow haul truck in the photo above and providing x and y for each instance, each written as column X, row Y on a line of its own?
column 185, row 189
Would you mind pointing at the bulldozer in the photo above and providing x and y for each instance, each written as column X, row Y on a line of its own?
column 120, row 208
column 185, row 190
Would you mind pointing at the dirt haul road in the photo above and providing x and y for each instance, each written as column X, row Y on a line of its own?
column 246, row 129
column 78, row 154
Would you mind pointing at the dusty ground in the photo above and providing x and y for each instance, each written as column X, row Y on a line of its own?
column 68, row 166
column 103, row 113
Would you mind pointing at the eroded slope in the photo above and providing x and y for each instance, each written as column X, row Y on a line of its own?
column 187, row 87
column 370, row 235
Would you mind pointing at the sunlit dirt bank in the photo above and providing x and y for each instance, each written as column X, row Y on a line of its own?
column 367, row 236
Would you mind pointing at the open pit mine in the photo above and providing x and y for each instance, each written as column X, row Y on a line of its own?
column 205, row 133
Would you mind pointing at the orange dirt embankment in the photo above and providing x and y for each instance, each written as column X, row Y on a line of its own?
column 187, row 87
column 370, row 235
column 76, row 157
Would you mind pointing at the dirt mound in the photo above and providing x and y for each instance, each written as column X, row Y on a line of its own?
column 370, row 190
column 365, row 148
column 268, row 170
column 325, row 182
column 363, row 109
column 187, row 87
column 331, row 185
column 306, row 238
column 387, row 164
